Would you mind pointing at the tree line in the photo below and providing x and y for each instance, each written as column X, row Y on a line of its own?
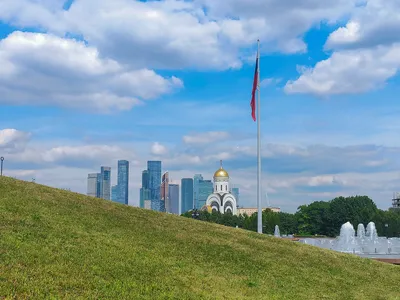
column 318, row 218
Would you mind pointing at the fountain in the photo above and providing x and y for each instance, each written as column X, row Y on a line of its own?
column 371, row 233
column 361, row 231
column 366, row 243
column 277, row 232
column 346, row 241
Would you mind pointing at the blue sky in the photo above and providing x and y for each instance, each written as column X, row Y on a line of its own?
column 86, row 83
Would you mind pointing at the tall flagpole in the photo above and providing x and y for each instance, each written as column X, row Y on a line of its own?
column 259, row 214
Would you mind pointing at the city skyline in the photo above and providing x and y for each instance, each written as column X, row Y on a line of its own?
column 172, row 197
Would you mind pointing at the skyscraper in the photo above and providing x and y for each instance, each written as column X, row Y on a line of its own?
column 105, row 183
column 196, row 179
column 114, row 193
column 144, row 191
column 164, row 193
column 186, row 194
column 123, row 181
column 154, row 169
column 206, row 188
column 93, row 184
column 174, row 199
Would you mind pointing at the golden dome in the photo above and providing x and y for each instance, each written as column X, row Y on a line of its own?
column 221, row 172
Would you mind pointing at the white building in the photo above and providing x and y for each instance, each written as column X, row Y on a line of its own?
column 93, row 182
column 222, row 199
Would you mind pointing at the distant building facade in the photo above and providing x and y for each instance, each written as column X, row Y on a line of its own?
column 123, row 181
column 114, row 193
column 164, row 193
column 147, row 204
column 196, row 189
column 105, row 183
column 251, row 210
column 205, row 188
column 174, row 199
column 187, row 201
column 93, row 184
column 144, row 190
column 154, row 169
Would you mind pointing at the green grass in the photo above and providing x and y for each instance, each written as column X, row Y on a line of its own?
column 58, row 244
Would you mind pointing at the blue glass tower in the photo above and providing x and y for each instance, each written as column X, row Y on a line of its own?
column 123, row 181
column 205, row 188
column 144, row 191
column 105, row 183
column 174, row 199
column 154, row 173
column 186, row 194
column 114, row 193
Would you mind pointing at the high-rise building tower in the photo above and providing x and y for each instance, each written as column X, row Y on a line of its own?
column 144, row 191
column 123, row 181
column 196, row 179
column 186, row 194
column 174, row 199
column 114, row 193
column 93, row 184
column 164, row 193
column 206, row 187
column 154, row 169
column 105, row 183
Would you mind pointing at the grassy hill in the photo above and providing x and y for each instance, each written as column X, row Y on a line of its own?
column 58, row 244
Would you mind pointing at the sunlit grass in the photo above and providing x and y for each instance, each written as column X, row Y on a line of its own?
column 58, row 244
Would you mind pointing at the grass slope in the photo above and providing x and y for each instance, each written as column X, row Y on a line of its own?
column 58, row 244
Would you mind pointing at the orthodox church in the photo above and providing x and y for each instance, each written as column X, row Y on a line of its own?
column 221, row 199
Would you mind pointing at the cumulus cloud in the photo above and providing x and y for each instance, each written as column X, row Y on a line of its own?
column 366, row 53
column 348, row 72
column 375, row 23
column 158, row 149
column 44, row 69
column 175, row 34
column 12, row 140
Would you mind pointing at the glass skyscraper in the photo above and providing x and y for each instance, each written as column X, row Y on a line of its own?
column 196, row 179
column 186, row 194
column 114, row 193
column 105, row 183
column 164, row 196
column 154, row 169
column 206, row 188
column 144, row 191
column 123, row 181
column 174, row 199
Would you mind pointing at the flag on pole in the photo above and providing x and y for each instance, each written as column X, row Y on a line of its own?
column 253, row 92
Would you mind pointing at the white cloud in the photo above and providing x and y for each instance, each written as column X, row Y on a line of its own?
column 366, row 53
column 349, row 71
column 375, row 23
column 175, row 34
column 158, row 149
column 44, row 69
column 206, row 138
column 12, row 140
